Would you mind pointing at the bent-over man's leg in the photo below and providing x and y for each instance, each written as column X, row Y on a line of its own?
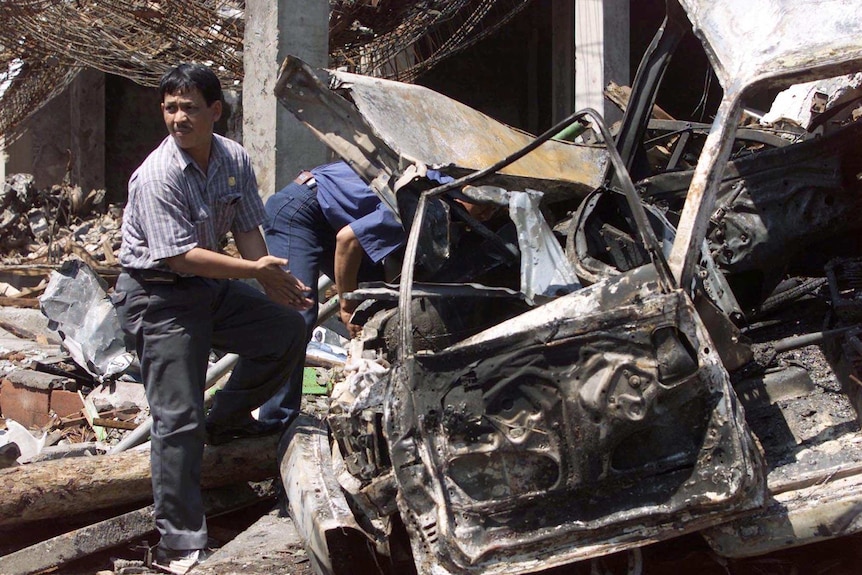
column 297, row 231
column 270, row 340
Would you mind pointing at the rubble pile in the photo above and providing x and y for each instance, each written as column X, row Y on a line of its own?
column 65, row 374
column 43, row 389
column 50, row 226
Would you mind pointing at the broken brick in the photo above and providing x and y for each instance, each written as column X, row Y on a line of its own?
column 65, row 403
column 27, row 396
column 27, row 406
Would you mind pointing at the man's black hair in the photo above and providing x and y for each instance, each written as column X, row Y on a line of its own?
column 189, row 76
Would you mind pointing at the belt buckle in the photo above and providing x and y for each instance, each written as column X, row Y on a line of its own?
column 306, row 178
column 161, row 279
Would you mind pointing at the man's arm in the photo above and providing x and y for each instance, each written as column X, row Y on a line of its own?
column 280, row 285
column 348, row 258
column 250, row 244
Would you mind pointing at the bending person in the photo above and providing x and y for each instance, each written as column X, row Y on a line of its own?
column 329, row 221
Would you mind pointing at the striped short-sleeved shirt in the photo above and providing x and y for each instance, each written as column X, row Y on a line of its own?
column 174, row 207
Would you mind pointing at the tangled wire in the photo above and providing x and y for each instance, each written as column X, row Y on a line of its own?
column 47, row 42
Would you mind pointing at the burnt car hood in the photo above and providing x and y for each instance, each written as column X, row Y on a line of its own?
column 380, row 127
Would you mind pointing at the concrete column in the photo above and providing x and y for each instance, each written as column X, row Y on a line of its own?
column 87, row 130
column 562, row 59
column 278, row 144
column 601, row 52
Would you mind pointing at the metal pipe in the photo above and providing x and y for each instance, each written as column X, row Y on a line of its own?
column 797, row 341
column 327, row 309
column 140, row 434
column 323, row 283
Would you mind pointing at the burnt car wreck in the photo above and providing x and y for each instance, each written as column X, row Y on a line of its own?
column 570, row 378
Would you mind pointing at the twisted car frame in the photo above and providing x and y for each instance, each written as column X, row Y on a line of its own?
column 555, row 384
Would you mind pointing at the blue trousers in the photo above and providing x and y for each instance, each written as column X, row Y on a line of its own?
column 174, row 327
column 298, row 231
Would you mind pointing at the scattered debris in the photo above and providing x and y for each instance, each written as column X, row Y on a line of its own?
column 619, row 358
column 49, row 226
column 9, row 454
column 78, row 308
column 26, row 445
column 806, row 105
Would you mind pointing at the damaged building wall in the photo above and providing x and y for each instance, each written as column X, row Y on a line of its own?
column 67, row 136
column 108, row 124
column 516, row 76
column 496, row 76
column 133, row 128
column 506, row 75
column 513, row 75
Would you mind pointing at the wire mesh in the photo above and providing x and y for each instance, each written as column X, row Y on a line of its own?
column 46, row 42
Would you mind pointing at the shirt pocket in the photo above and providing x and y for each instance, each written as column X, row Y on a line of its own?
column 203, row 224
column 226, row 208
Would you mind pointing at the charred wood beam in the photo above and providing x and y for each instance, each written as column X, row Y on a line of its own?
column 66, row 487
column 19, row 331
column 62, row 549
column 27, row 302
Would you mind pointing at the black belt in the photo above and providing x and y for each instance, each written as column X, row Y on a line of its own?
column 151, row 276
column 306, row 178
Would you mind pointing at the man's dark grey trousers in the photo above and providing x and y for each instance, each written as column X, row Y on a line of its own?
column 174, row 325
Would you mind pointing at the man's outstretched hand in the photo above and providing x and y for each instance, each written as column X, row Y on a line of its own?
column 281, row 285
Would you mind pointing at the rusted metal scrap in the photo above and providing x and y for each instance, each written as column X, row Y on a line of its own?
column 400, row 124
column 77, row 306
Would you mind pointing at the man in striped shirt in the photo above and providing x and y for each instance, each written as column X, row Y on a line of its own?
column 178, row 297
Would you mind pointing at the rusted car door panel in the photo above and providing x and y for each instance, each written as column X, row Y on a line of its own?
column 601, row 413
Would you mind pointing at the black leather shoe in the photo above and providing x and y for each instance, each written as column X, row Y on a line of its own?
column 219, row 434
